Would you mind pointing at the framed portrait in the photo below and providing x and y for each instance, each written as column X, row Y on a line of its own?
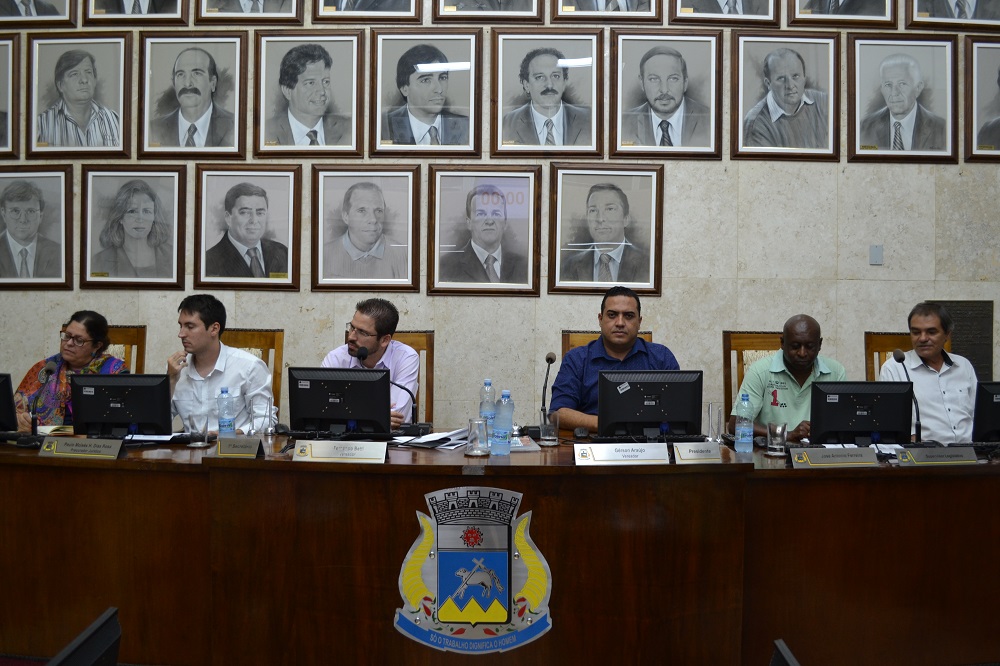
column 848, row 13
column 38, row 13
column 667, row 94
column 748, row 13
column 425, row 92
column 494, row 11
column 243, row 12
column 954, row 15
column 36, row 232
column 193, row 103
column 366, row 228
column 786, row 84
column 132, row 227
column 309, row 93
column 547, row 99
column 10, row 85
column 484, row 230
column 606, row 227
column 902, row 91
column 135, row 12
column 368, row 11
column 247, row 227
column 982, row 99
column 608, row 11
column 78, row 103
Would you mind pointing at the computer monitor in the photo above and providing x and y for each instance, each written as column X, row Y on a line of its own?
column 339, row 400
column 8, row 414
column 986, row 423
column 648, row 403
column 97, row 645
column 861, row 413
column 119, row 405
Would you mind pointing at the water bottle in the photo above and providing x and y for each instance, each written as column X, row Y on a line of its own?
column 487, row 402
column 744, row 425
column 227, row 413
column 502, row 425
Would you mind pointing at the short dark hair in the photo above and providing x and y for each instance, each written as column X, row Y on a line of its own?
column 485, row 188
column 113, row 233
column 926, row 309
column 96, row 325
column 534, row 53
column 781, row 53
column 243, row 190
column 208, row 308
column 609, row 187
column 360, row 185
column 421, row 54
column 297, row 59
column 213, row 71
column 384, row 313
column 22, row 190
column 71, row 59
column 663, row 51
column 621, row 291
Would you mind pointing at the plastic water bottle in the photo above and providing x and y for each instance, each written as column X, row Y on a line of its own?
column 502, row 425
column 227, row 413
column 744, row 425
column 487, row 402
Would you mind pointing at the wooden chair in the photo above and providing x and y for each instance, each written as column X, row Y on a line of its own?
column 572, row 339
column 264, row 343
column 129, row 344
column 749, row 346
column 879, row 348
column 422, row 342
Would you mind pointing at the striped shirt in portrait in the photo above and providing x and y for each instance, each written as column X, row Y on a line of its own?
column 57, row 128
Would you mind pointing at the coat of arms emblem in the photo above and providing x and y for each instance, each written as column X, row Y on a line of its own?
column 474, row 581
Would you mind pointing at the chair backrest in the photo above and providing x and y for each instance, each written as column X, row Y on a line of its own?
column 748, row 346
column 572, row 339
column 264, row 343
column 129, row 344
column 879, row 348
column 422, row 342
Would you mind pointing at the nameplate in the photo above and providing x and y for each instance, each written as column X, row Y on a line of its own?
column 824, row 458
column 697, row 453
column 953, row 455
column 319, row 450
column 239, row 447
column 78, row 447
column 652, row 453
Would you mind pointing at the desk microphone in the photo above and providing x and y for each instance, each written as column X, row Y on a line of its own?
column 550, row 358
column 899, row 357
column 362, row 354
column 413, row 428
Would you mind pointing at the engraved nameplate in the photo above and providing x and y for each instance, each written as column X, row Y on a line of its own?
column 651, row 453
column 953, row 455
column 319, row 450
column 239, row 447
column 825, row 458
column 78, row 447
column 691, row 453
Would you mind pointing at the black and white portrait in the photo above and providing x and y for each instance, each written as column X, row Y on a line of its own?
column 976, row 14
column 741, row 12
column 982, row 127
column 34, row 233
column 136, row 12
column 8, row 101
column 606, row 10
column 844, row 12
column 356, row 10
column 53, row 12
column 239, row 11
column 464, row 10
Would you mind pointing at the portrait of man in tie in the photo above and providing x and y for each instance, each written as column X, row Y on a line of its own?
column 192, row 95
column 247, row 10
column 351, row 8
column 956, row 11
column 607, row 9
column 7, row 98
column 982, row 135
column 135, row 10
column 34, row 10
column 750, row 12
column 843, row 10
column 33, row 226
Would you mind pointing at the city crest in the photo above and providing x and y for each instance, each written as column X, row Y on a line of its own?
column 473, row 581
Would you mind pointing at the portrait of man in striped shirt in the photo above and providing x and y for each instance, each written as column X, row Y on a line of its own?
column 76, row 119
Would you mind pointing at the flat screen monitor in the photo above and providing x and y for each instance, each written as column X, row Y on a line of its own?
column 861, row 413
column 8, row 415
column 97, row 645
column 649, row 403
column 339, row 400
column 986, row 422
column 119, row 405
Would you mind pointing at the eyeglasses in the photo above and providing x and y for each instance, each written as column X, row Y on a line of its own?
column 361, row 334
column 17, row 212
column 74, row 340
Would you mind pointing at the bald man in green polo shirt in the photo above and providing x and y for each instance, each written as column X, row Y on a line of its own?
column 780, row 386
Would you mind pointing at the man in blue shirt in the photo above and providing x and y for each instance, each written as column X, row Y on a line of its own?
column 574, row 393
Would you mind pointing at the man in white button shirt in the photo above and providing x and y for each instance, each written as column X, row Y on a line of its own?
column 486, row 257
column 422, row 79
column 609, row 257
column 304, row 77
column 198, row 122
column 23, row 252
column 244, row 252
column 546, row 120
column 944, row 384
column 903, row 123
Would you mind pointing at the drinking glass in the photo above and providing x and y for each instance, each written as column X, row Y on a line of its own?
column 479, row 438
column 549, row 429
column 716, row 416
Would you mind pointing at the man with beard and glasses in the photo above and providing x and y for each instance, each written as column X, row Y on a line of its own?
column 790, row 115
column 76, row 120
column 669, row 117
column 198, row 122
column 546, row 120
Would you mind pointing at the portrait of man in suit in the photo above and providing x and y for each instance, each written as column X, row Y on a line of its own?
column 868, row 8
column 24, row 253
column 669, row 118
column 243, row 251
column 608, row 256
column 903, row 123
column 197, row 122
column 16, row 9
column 422, row 77
column 604, row 5
column 76, row 119
column 364, row 251
column 547, row 119
column 134, row 8
column 306, row 118
column 250, row 8
column 490, row 255
column 790, row 115
column 960, row 10
column 729, row 8
column 402, row 6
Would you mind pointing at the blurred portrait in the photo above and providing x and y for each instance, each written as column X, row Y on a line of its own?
column 136, row 12
column 741, row 12
column 982, row 127
column 35, row 11
column 843, row 12
column 976, row 14
column 35, row 232
column 248, row 10
column 356, row 10
column 8, row 101
column 464, row 10
column 606, row 10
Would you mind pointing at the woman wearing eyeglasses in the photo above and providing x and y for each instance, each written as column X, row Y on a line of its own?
column 83, row 347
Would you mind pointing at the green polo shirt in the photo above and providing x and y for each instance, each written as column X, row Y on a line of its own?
column 776, row 396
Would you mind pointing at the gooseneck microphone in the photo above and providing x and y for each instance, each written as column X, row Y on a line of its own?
column 413, row 428
column 47, row 372
column 362, row 354
column 413, row 401
column 899, row 357
column 550, row 358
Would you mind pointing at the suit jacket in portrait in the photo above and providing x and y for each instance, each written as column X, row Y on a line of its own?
column 491, row 5
column 374, row 5
column 519, row 127
column 750, row 7
column 224, row 260
column 637, row 125
column 119, row 7
column 336, row 130
column 989, row 135
column 396, row 128
column 234, row 7
column 986, row 10
column 465, row 266
column 847, row 7
column 929, row 130
column 580, row 268
column 48, row 259
column 591, row 5
column 221, row 130
column 42, row 8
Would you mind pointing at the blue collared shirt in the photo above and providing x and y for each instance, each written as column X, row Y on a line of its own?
column 576, row 384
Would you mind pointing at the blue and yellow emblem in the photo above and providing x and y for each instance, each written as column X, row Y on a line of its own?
column 473, row 581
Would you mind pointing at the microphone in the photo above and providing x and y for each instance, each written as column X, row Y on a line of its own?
column 362, row 354
column 550, row 358
column 413, row 401
column 899, row 357
column 47, row 373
